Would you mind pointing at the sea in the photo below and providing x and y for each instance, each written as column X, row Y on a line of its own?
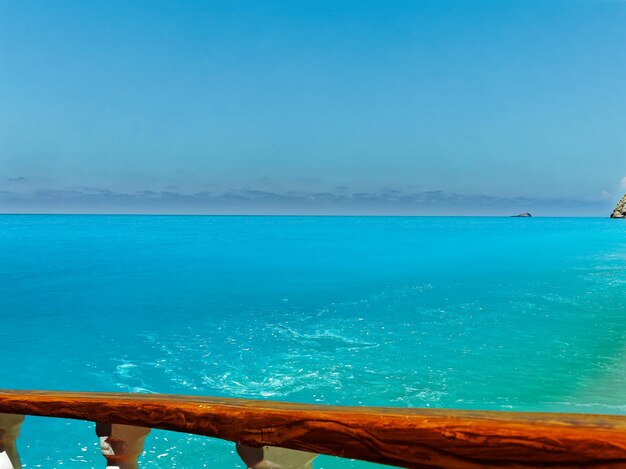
column 515, row 314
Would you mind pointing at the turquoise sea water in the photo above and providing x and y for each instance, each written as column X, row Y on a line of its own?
column 472, row 313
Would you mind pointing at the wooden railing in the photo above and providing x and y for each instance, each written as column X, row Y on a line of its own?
column 291, row 435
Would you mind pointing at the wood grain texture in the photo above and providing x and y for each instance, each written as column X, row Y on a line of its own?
column 410, row 438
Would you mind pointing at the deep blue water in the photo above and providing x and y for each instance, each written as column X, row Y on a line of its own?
column 475, row 313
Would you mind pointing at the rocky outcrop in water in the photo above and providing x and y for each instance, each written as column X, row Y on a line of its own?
column 525, row 215
column 620, row 210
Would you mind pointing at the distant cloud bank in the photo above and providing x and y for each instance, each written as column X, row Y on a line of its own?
column 17, row 180
column 341, row 202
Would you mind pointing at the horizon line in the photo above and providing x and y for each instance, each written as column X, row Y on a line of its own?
column 166, row 214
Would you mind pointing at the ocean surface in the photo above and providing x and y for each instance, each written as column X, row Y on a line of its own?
column 468, row 313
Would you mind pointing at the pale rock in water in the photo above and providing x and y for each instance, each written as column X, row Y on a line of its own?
column 620, row 210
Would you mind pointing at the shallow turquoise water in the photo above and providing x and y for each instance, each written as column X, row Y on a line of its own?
column 476, row 313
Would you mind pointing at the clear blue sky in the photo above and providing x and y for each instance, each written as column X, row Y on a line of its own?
column 312, row 107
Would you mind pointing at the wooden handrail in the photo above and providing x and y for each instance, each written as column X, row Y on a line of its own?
column 411, row 438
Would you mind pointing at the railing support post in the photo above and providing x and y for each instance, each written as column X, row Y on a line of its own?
column 9, row 431
column 270, row 457
column 121, row 445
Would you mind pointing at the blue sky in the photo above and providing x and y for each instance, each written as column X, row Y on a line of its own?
column 399, row 107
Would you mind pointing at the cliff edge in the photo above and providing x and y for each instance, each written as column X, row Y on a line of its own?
column 620, row 210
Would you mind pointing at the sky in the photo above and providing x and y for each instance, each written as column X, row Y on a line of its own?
column 393, row 107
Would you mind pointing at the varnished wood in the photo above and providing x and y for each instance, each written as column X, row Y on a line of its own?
column 401, row 437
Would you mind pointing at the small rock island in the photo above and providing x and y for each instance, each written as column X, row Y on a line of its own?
column 620, row 210
column 523, row 215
